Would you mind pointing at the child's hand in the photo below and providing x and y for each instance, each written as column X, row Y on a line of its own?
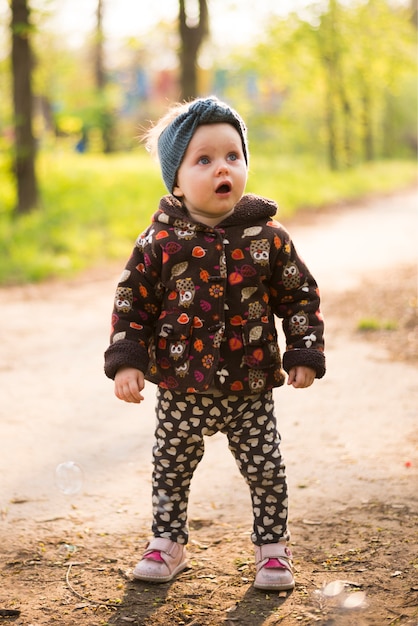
column 301, row 377
column 129, row 382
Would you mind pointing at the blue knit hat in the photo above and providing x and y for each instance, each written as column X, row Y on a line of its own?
column 173, row 141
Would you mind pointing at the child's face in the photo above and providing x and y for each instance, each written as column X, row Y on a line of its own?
column 213, row 174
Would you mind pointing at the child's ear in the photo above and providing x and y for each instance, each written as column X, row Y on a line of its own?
column 177, row 192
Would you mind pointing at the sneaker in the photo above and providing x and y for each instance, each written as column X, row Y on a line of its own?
column 162, row 560
column 274, row 567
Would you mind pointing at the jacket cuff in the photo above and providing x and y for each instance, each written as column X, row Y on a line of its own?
column 125, row 353
column 307, row 358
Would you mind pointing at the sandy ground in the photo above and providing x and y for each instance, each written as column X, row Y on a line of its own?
column 350, row 443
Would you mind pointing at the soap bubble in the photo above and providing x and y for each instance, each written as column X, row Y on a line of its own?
column 354, row 600
column 67, row 549
column 69, row 478
column 335, row 594
column 333, row 588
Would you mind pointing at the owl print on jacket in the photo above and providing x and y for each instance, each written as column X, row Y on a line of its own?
column 177, row 349
column 257, row 380
column 123, row 299
column 291, row 276
column 255, row 310
column 186, row 290
column 299, row 323
column 260, row 250
column 183, row 230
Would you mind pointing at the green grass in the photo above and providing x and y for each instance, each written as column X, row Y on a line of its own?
column 371, row 324
column 93, row 206
column 300, row 183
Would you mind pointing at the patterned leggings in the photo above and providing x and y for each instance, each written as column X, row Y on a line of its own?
column 249, row 423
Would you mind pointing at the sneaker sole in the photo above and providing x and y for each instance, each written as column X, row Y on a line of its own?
column 161, row 579
column 286, row 587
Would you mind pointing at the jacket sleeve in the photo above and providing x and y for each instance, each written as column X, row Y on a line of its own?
column 136, row 308
column 296, row 300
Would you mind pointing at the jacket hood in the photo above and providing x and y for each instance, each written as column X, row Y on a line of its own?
column 249, row 209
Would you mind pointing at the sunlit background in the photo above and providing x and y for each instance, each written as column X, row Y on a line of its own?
column 328, row 90
column 232, row 22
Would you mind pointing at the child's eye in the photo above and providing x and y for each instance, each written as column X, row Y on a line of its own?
column 233, row 156
column 204, row 160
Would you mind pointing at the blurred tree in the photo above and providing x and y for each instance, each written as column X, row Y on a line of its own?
column 192, row 35
column 99, row 63
column 25, row 148
column 414, row 13
column 339, row 119
column 339, row 82
column 380, row 59
column 329, row 43
column 105, row 115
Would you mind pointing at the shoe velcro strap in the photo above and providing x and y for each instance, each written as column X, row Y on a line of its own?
column 273, row 551
column 161, row 544
column 282, row 563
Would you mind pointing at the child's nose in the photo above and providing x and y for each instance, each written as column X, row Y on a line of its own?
column 222, row 167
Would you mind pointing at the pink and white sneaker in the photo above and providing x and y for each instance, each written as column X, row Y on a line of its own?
column 162, row 560
column 274, row 567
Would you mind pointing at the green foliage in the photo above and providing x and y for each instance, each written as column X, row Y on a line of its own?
column 340, row 83
column 94, row 206
column 92, row 209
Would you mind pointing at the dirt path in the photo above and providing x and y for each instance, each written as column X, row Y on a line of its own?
column 350, row 443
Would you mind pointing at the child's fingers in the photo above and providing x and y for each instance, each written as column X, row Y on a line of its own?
column 301, row 377
column 292, row 376
column 128, row 391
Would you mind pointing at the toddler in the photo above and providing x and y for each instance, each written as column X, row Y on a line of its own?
column 194, row 313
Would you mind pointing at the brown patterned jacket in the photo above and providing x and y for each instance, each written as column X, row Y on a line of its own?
column 195, row 305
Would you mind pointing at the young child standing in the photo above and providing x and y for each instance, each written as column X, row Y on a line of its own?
column 194, row 313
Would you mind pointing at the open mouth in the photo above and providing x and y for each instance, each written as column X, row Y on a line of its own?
column 224, row 188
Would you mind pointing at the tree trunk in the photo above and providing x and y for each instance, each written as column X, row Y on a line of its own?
column 330, row 116
column 368, row 143
column 106, row 117
column 414, row 12
column 338, row 107
column 98, row 56
column 25, row 148
column 347, row 124
column 326, row 41
column 192, row 38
